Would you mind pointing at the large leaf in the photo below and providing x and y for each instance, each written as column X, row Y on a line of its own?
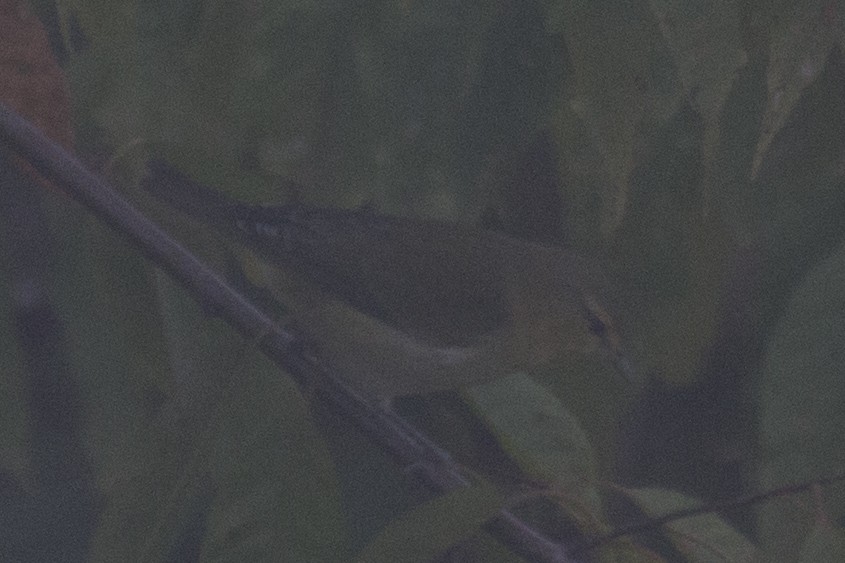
column 14, row 420
column 705, row 41
column 624, row 81
column 700, row 538
column 545, row 440
column 800, row 45
column 240, row 475
column 826, row 544
column 429, row 530
column 801, row 397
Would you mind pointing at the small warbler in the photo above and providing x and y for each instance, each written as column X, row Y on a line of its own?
column 405, row 306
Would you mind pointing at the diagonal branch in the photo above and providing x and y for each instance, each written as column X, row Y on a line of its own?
column 403, row 441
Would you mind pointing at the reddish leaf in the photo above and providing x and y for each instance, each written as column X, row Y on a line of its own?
column 31, row 81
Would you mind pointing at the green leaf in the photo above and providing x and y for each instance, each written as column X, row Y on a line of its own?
column 705, row 40
column 429, row 530
column 104, row 295
column 14, row 419
column 243, row 465
column 800, row 45
column 540, row 434
column 276, row 494
column 700, row 538
column 624, row 79
column 826, row 544
column 800, row 396
column 105, row 21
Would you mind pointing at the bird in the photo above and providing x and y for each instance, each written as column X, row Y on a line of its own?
column 402, row 306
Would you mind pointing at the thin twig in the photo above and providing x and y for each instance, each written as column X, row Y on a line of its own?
column 712, row 508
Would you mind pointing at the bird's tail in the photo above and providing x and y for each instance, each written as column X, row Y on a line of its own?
column 175, row 188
